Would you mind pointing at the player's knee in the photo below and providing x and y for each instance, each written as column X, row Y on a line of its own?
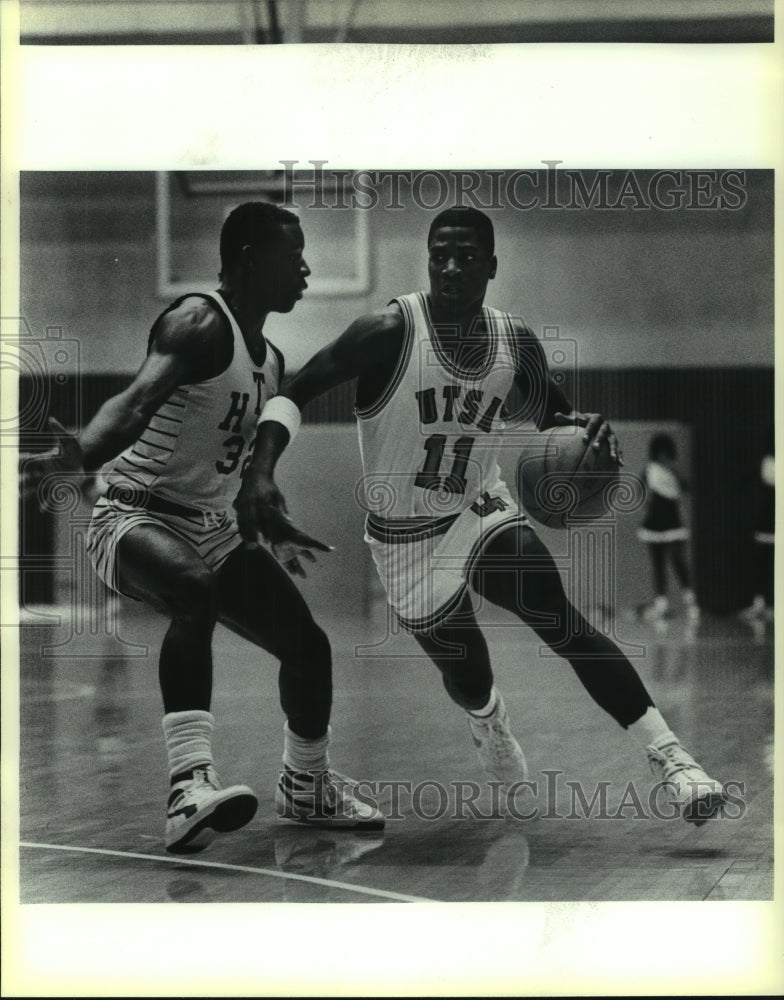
column 318, row 646
column 194, row 595
column 304, row 645
column 309, row 647
column 544, row 593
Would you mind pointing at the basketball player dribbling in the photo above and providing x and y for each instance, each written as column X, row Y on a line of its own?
column 178, row 440
column 433, row 371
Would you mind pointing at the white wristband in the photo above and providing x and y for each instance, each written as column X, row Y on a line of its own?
column 282, row 410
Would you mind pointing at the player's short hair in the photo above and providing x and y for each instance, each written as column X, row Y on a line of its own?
column 662, row 446
column 254, row 223
column 472, row 218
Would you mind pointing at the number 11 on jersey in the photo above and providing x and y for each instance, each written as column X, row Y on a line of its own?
column 455, row 482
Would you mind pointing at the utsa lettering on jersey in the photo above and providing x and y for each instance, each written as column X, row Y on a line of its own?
column 441, row 424
column 175, row 446
column 434, row 435
column 432, row 370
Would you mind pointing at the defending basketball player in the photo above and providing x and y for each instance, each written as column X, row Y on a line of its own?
column 433, row 371
column 178, row 441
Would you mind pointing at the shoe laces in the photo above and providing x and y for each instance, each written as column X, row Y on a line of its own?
column 671, row 760
column 343, row 787
column 333, row 784
column 329, row 788
column 206, row 775
column 495, row 726
column 321, row 781
column 340, row 779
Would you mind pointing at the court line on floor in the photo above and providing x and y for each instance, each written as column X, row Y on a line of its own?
column 69, row 692
column 223, row 866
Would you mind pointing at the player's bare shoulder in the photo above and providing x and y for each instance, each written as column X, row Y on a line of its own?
column 196, row 331
column 522, row 332
column 382, row 337
column 365, row 351
column 529, row 353
column 377, row 337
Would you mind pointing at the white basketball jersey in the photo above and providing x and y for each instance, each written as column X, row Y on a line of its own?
column 195, row 446
column 430, row 444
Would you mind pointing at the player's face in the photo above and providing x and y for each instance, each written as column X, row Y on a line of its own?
column 459, row 267
column 282, row 271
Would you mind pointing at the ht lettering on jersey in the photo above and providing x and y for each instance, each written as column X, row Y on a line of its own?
column 235, row 444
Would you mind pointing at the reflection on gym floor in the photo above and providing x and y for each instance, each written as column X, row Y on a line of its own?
column 93, row 777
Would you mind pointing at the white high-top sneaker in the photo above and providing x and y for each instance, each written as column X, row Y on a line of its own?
column 324, row 798
column 198, row 807
column 697, row 796
column 498, row 750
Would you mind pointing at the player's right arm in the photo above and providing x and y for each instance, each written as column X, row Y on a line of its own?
column 368, row 349
column 190, row 344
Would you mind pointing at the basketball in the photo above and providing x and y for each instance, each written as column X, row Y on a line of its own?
column 562, row 476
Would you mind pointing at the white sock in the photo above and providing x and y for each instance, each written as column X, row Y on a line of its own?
column 188, row 739
column 300, row 754
column 660, row 604
column 652, row 730
column 688, row 597
column 490, row 707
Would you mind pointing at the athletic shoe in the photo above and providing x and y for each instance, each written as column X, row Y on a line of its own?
column 697, row 796
column 324, row 798
column 496, row 747
column 199, row 807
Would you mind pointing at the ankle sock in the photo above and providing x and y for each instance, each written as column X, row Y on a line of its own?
column 188, row 740
column 489, row 708
column 300, row 754
column 652, row 730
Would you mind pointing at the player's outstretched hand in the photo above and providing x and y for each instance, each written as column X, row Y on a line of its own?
column 597, row 429
column 65, row 461
column 261, row 511
column 298, row 546
column 261, row 508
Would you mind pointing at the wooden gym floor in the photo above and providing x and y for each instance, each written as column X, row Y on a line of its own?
column 93, row 779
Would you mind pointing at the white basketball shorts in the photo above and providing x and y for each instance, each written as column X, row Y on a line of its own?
column 213, row 536
column 425, row 564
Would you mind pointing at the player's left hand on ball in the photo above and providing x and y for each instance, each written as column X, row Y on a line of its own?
column 597, row 430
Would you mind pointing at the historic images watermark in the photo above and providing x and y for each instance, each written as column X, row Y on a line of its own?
column 315, row 185
column 48, row 364
column 549, row 797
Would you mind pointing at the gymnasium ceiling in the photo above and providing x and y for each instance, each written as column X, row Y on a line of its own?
column 167, row 22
